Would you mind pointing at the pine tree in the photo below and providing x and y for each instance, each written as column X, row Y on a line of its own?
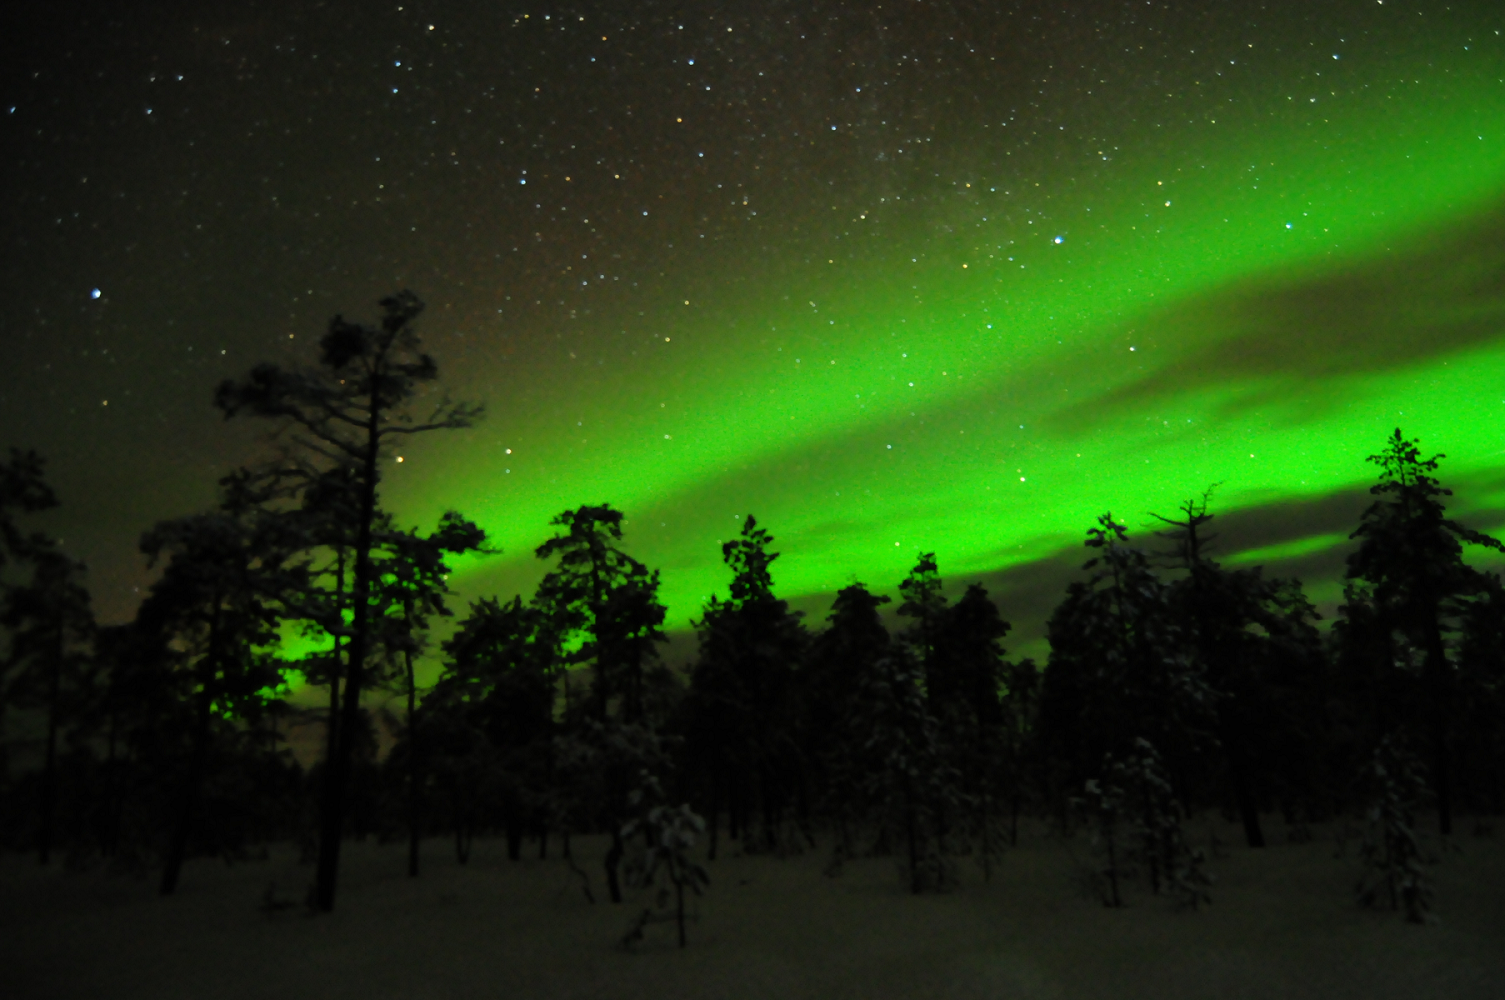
column 739, row 713
column 213, row 615
column 843, row 659
column 923, row 601
column 23, row 490
column 1391, row 852
column 1241, row 629
column 346, row 412
column 1119, row 667
column 1481, row 722
column 1411, row 555
column 985, row 705
column 412, row 571
column 604, row 604
column 1135, row 819
column 501, row 674
column 51, row 629
column 667, row 835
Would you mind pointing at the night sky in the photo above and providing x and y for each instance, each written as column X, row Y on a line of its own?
column 893, row 277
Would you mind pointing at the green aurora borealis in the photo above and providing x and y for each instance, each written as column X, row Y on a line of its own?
column 1254, row 303
column 1108, row 296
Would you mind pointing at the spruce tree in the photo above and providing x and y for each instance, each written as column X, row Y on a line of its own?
column 1411, row 556
column 739, row 713
column 1119, row 666
column 1241, row 630
column 603, row 604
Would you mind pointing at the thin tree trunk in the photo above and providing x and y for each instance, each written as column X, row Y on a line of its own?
column 332, row 808
column 1442, row 782
column 679, row 890
column 332, row 742
column 1235, row 747
column 463, row 831
column 770, row 808
column 715, row 811
column 1112, row 870
column 914, row 847
column 512, row 820
column 407, row 655
column 613, row 859
column 177, row 848
column 109, row 834
column 49, row 767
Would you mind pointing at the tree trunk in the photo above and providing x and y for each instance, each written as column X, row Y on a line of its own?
column 332, row 806
column 1437, row 724
column 771, row 808
column 331, row 746
column 109, row 833
column 1112, row 870
column 49, row 766
column 413, row 832
column 715, row 811
column 1238, row 777
column 463, row 832
column 914, row 847
column 613, row 859
column 513, row 821
column 177, row 848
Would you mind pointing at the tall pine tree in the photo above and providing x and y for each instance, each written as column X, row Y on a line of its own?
column 1410, row 555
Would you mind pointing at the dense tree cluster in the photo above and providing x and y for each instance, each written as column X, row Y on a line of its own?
column 1173, row 683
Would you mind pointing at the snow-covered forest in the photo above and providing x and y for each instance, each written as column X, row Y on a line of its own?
column 1188, row 712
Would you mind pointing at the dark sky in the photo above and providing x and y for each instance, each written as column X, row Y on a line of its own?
column 895, row 277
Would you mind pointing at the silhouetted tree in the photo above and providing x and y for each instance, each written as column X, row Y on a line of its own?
column 411, row 571
column 958, row 649
column 1119, row 667
column 214, row 617
column 921, row 599
column 907, row 778
column 345, row 412
column 1135, row 819
column 330, row 512
column 23, row 490
column 984, row 705
column 1395, row 785
column 1242, row 630
column 51, row 627
column 739, row 713
column 843, row 660
column 667, row 834
column 1481, row 716
column 501, row 671
column 1411, row 555
column 603, row 604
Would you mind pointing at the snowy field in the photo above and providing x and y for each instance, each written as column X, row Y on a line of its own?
column 1282, row 924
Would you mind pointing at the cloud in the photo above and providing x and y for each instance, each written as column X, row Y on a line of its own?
column 1294, row 340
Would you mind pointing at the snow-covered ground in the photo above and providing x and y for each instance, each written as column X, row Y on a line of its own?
column 1282, row 924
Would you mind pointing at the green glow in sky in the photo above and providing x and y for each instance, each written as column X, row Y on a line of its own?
column 1253, row 302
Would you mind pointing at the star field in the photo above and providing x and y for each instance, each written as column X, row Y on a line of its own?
column 895, row 278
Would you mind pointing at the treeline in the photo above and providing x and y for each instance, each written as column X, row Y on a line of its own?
column 1173, row 684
